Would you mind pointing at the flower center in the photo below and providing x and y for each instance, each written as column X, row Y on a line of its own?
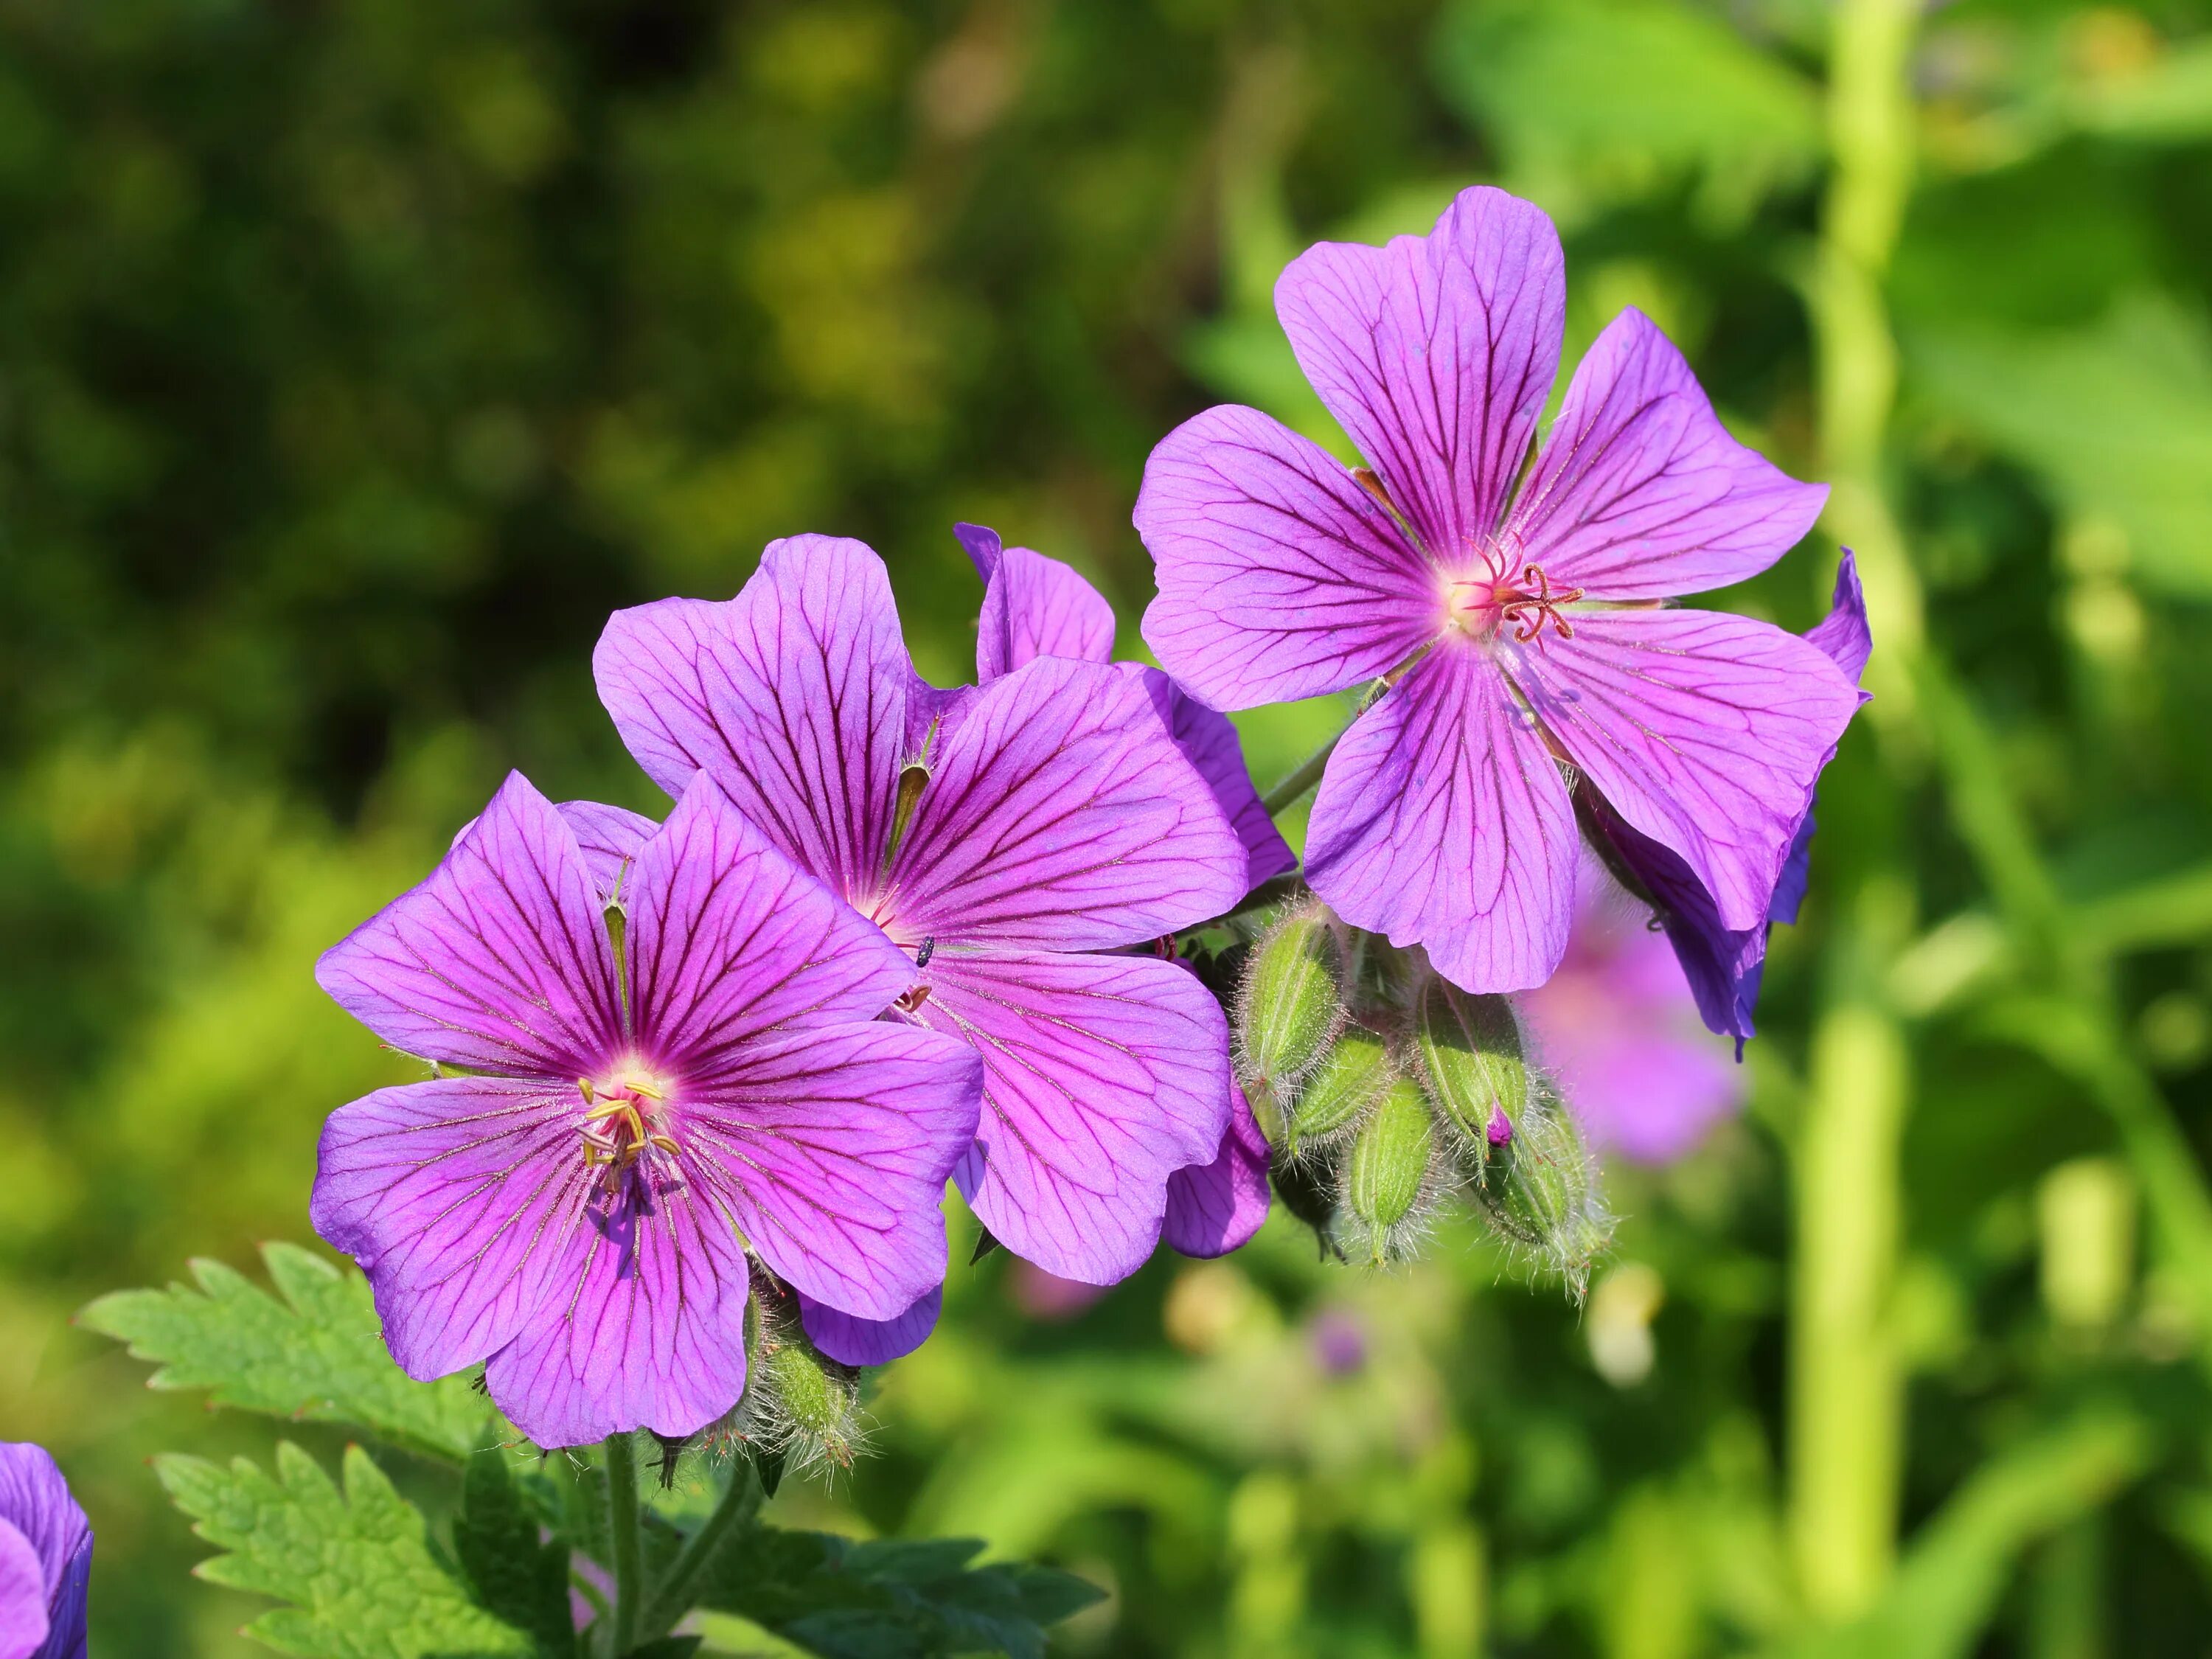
column 1479, row 605
column 625, row 1117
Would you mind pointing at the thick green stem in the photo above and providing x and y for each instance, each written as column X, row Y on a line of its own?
column 623, row 1534
column 740, row 1502
column 1286, row 792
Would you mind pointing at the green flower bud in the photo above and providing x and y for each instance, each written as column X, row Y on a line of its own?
column 798, row 1403
column 1390, row 1164
column 1291, row 1005
column 1357, row 1071
column 1542, row 1193
column 1468, row 1058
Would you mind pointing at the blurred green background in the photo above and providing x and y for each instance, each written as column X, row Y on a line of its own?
column 356, row 359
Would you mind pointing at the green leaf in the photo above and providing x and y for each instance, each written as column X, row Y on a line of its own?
column 519, row 1571
column 317, row 1355
column 357, row 1569
column 891, row 1599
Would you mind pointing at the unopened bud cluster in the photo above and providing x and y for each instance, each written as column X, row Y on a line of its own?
column 1383, row 1088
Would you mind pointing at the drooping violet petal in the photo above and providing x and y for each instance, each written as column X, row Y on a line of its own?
column 1214, row 1208
column 456, row 1197
column 795, row 694
column 1640, row 493
column 1209, row 743
column 1061, row 816
column 851, row 1341
column 1844, row 635
column 1435, row 354
column 728, row 941
column 645, row 1326
column 1442, row 821
column 982, row 545
column 831, row 1148
column 498, row 960
column 1102, row 1075
column 1034, row 606
column 1704, row 731
column 44, row 1519
column 1280, row 577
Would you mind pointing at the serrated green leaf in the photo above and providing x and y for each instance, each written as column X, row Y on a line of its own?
column 844, row 1599
column 316, row 1355
column 356, row 1567
column 517, row 1570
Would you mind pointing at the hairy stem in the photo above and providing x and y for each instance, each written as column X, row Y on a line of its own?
column 740, row 1502
column 623, row 1531
column 1286, row 792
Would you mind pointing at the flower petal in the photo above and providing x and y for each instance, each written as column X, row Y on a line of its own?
column 1640, row 493
column 729, row 940
column 498, row 960
column 1280, row 577
column 1104, row 1075
column 1442, row 821
column 609, row 838
column 831, row 1148
column 23, row 1623
column 1210, row 743
column 646, row 1325
column 982, row 545
column 1062, row 815
column 1214, row 1208
column 1435, row 354
column 1704, row 732
column 795, row 694
column 454, row 1196
column 851, row 1341
column 1844, row 636
column 1034, row 606
column 40, row 1517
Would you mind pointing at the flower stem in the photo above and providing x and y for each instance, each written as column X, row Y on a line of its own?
column 1286, row 792
column 622, row 1532
column 740, row 1502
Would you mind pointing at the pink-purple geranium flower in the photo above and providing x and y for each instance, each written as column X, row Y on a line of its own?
column 1015, row 839
column 1520, row 629
column 45, row 1557
column 575, row 1206
column 1035, row 605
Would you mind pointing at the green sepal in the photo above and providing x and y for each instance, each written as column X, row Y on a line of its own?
column 1470, row 1060
column 1292, row 1002
column 1342, row 1089
column 1389, row 1163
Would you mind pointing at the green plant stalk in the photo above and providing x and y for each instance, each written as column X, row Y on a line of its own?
column 1285, row 794
column 623, row 1531
column 1846, row 1387
column 672, row 1598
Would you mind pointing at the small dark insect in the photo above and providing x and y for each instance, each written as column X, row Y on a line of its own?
column 921, row 957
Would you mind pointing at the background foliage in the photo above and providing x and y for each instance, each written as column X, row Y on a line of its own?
column 357, row 358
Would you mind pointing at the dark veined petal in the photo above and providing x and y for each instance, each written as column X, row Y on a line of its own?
column 1640, row 493
column 1704, row 731
column 1844, row 636
column 609, row 838
column 1214, row 1208
column 728, row 940
column 645, row 1326
column 1442, row 821
column 1210, row 743
column 498, row 960
column 1435, row 354
column 1033, row 606
column 831, row 1148
column 456, row 1196
column 1280, row 577
column 795, row 694
column 1061, row 816
column 1102, row 1076
column 46, row 1542
column 851, row 1341
column 982, row 545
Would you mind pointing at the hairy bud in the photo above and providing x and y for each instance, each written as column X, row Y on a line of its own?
column 1468, row 1058
column 799, row 1402
column 1389, row 1165
column 1341, row 1089
column 1291, row 1005
column 1542, row 1193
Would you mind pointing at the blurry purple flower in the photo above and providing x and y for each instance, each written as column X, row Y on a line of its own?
column 1724, row 965
column 1617, row 1025
column 1339, row 1341
column 46, row 1558
column 1519, row 630
column 574, row 1210
column 1041, row 1295
column 1037, row 606
column 1013, row 837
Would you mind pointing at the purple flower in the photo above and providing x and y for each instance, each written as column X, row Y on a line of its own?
column 1518, row 629
column 575, row 1208
column 46, row 1558
column 1619, row 1027
column 1037, row 606
column 1723, row 964
column 1013, row 837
